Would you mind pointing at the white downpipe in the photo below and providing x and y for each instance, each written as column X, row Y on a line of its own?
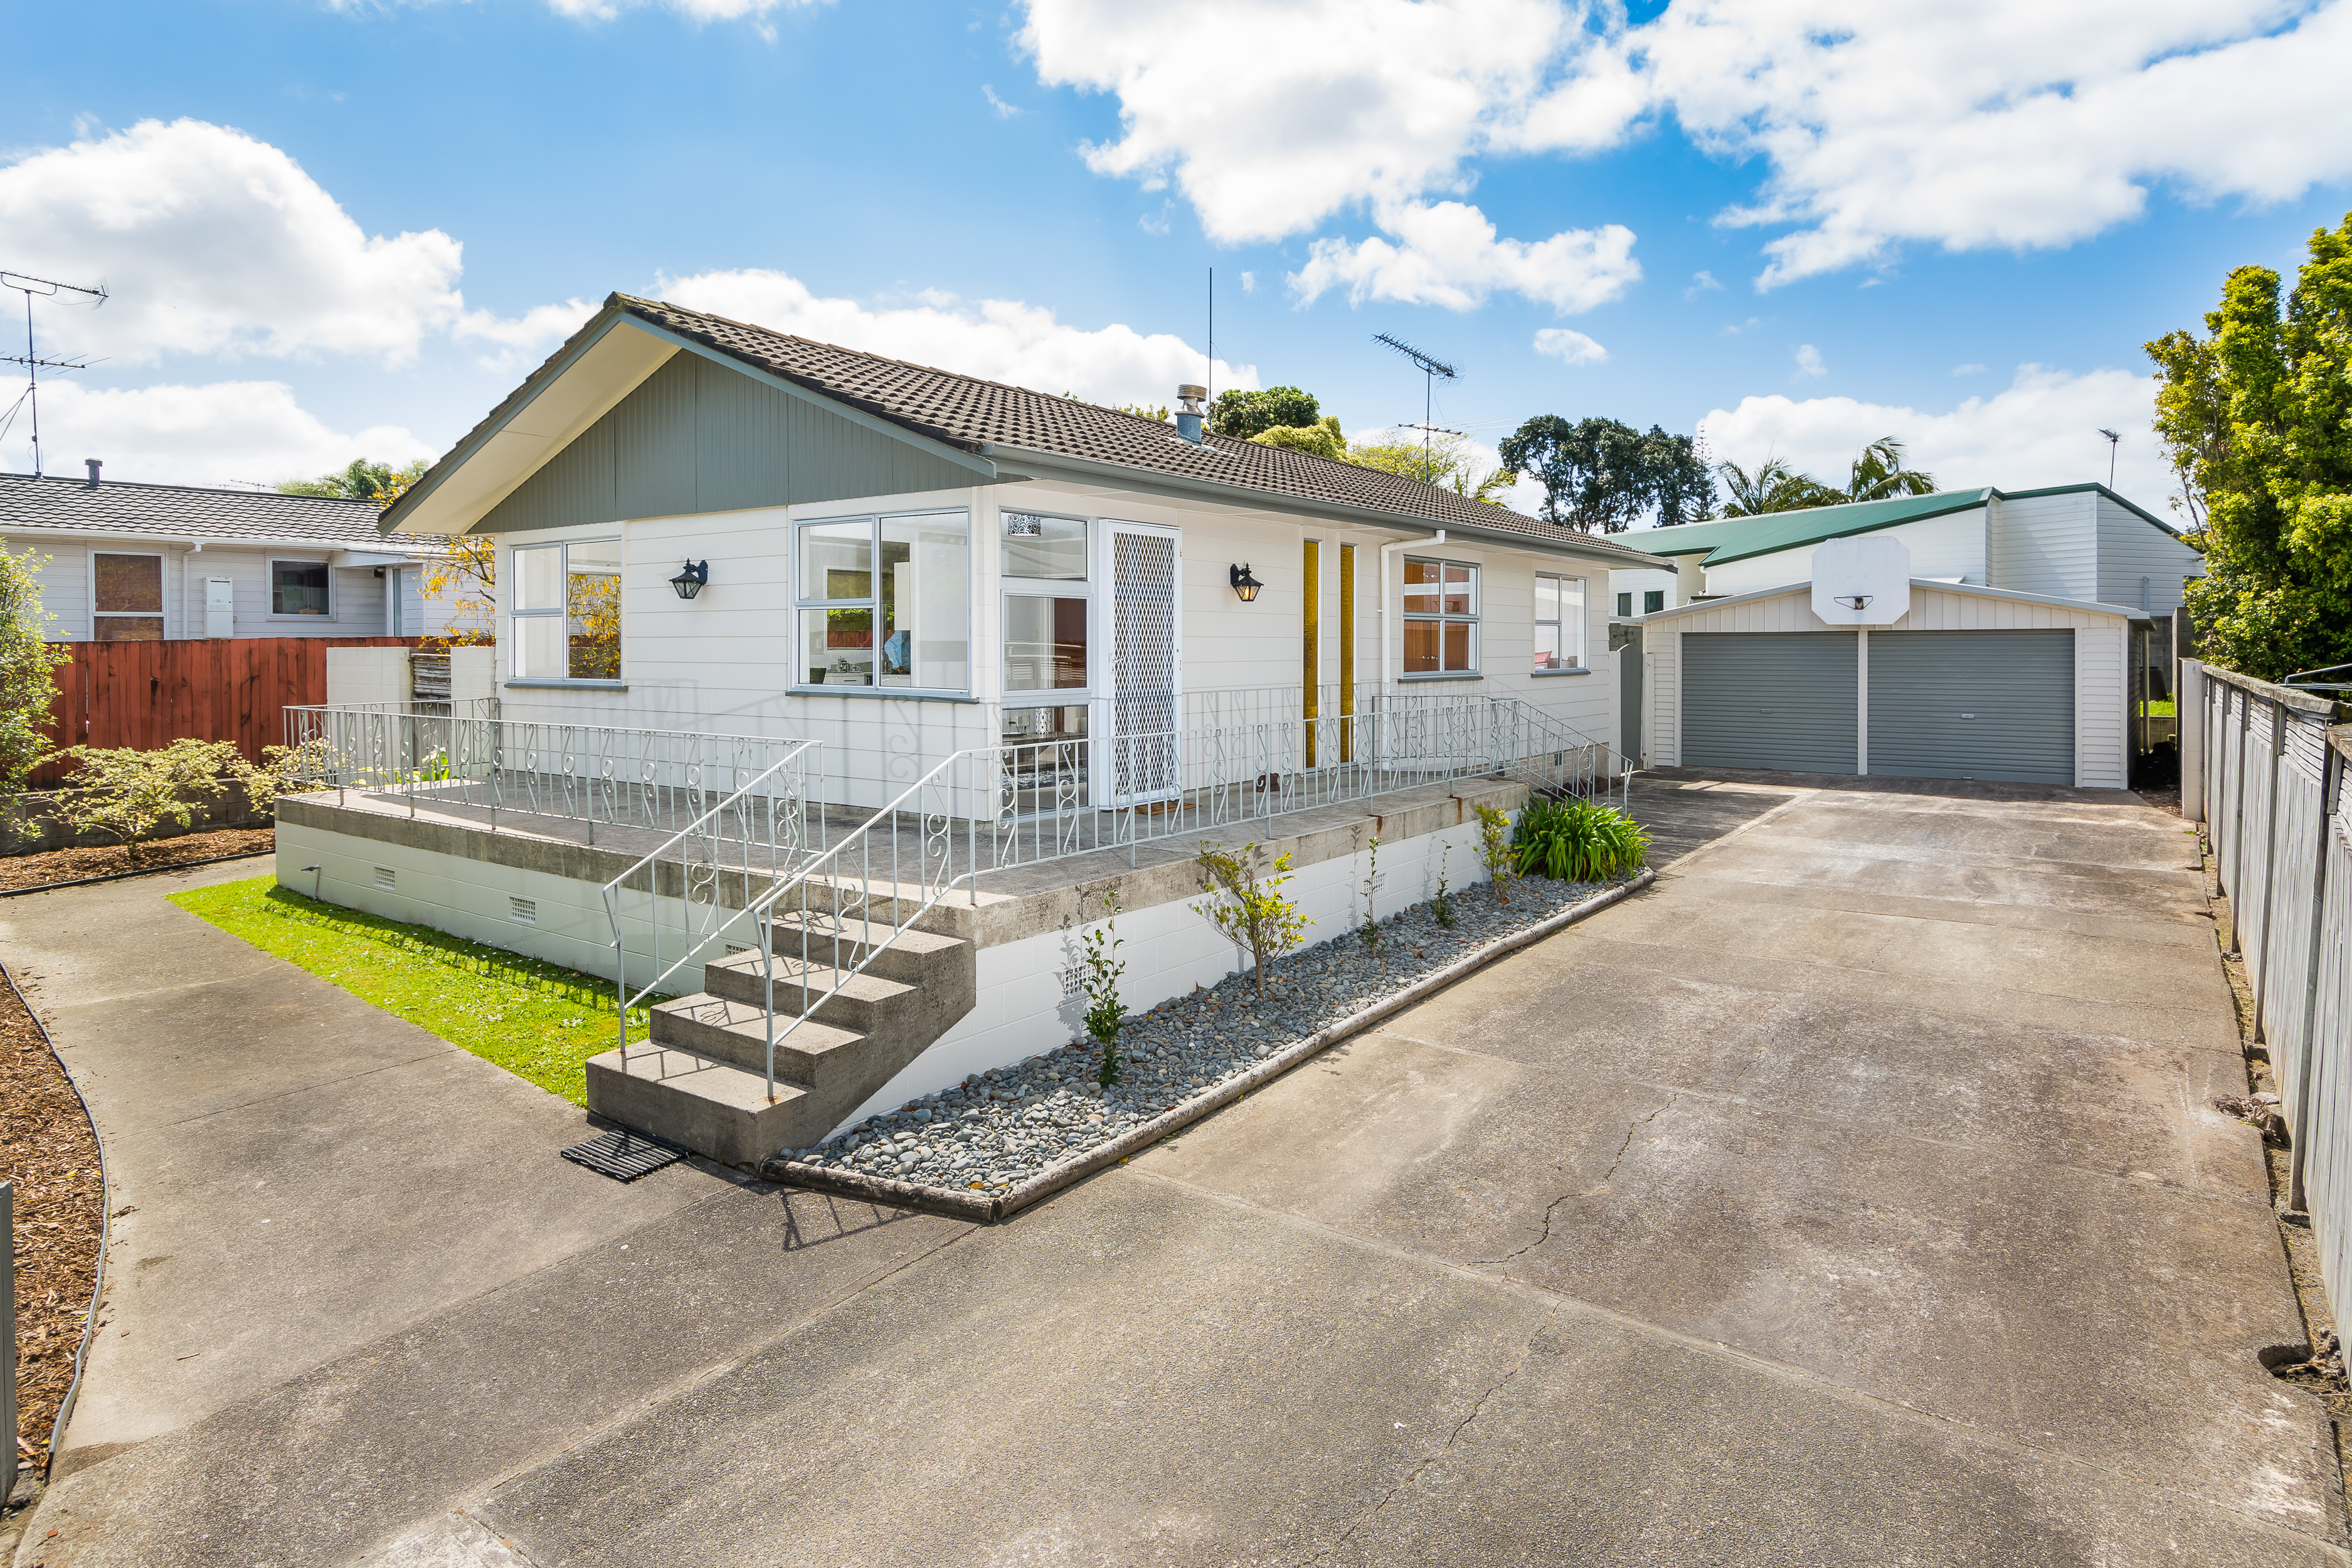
column 1388, row 647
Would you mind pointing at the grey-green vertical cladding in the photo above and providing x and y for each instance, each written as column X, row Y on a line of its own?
column 697, row 436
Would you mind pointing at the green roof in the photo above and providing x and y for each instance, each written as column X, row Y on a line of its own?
column 1738, row 538
column 1730, row 539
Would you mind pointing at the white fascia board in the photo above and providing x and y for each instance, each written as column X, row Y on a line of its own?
column 202, row 542
column 1118, row 477
column 1935, row 584
column 584, row 389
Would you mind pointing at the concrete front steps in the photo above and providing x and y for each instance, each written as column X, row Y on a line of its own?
column 700, row 1082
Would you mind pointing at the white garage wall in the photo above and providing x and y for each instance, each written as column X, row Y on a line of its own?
column 2136, row 556
column 2101, row 758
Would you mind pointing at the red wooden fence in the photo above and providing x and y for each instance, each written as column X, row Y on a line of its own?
column 149, row 694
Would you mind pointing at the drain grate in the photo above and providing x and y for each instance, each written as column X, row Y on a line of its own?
column 623, row 1155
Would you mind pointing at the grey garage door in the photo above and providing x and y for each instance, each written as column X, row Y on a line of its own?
column 1769, row 699
column 1973, row 705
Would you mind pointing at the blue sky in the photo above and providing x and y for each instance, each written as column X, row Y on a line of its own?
column 330, row 228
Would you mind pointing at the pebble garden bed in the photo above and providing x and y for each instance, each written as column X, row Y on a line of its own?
column 996, row 1130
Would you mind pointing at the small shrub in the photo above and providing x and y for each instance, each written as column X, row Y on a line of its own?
column 129, row 794
column 1370, row 930
column 1578, row 841
column 1442, row 906
column 1250, row 911
column 1495, row 851
column 1105, row 1016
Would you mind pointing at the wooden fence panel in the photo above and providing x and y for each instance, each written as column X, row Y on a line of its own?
column 149, row 694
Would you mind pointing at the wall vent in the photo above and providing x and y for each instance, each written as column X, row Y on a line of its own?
column 385, row 878
column 523, row 911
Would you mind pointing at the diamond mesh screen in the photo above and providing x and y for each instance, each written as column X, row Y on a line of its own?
column 1144, row 761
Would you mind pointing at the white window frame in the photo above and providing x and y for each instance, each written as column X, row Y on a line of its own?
column 270, row 587
column 1477, row 605
column 162, row 595
column 1574, row 651
column 564, row 610
column 873, row 603
column 1093, row 553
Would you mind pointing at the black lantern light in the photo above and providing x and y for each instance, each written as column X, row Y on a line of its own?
column 691, row 578
column 1244, row 583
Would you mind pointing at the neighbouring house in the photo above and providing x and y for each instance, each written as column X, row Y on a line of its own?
column 759, row 581
column 147, row 563
column 2072, row 541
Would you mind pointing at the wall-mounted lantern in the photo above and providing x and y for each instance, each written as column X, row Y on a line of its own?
column 690, row 580
column 1244, row 583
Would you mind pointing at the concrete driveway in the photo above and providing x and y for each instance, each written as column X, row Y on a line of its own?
column 1852, row 1197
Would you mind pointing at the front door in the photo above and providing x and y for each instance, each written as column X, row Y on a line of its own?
column 1142, row 760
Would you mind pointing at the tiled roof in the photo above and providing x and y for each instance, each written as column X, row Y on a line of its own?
column 967, row 412
column 28, row 505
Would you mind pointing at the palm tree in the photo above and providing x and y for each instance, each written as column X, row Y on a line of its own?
column 1773, row 487
column 1879, row 474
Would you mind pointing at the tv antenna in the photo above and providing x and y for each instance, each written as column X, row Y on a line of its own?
column 28, row 286
column 1432, row 369
column 2113, row 437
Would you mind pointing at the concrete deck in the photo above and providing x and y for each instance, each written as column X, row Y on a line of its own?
column 1851, row 1198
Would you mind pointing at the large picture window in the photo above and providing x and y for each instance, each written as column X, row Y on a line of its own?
column 1560, row 623
column 567, row 610
column 128, row 597
column 301, row 588
column 886, row 602
column 1440, row 617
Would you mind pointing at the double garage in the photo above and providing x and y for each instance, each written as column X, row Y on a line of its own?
column 1971, row 683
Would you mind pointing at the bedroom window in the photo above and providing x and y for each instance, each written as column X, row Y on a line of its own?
column 128, row 600
column 1440, row 617
column 885, row 603
column 567, row 613
column 301, row 588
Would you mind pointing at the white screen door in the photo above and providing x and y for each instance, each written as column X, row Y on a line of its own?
column 1143, row 761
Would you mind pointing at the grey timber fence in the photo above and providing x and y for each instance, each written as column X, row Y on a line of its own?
column 2264, row 771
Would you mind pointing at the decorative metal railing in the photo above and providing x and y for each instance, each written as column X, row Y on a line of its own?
column 595, row 775
column 821, row 922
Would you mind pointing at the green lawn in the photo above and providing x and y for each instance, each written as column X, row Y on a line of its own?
column 539, row 1021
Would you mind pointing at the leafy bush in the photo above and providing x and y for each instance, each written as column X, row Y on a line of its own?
column 1577, row 841
column 1106, row 1013
column 1250, row 911
column 1495, row 851
column 129, row 794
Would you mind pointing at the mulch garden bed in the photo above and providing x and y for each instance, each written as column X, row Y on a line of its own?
column 49, row 1154
column 53, row 865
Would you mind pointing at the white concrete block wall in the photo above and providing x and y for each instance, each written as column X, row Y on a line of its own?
column 367, row 676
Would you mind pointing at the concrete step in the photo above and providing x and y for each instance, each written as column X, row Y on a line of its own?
column 716, row 1109
column 866, row 1003
column 729, row 1030
column 911, row 958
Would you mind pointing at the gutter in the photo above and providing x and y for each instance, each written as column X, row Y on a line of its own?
column 195, row 544
column 1335, row 512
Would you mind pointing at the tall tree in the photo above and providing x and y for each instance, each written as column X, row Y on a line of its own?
column 1600, row 475
column 1242, row 414
column 27, row 686
column 1879, row 474
column 2257, row 419
column 360, row 479
column 1448, row 461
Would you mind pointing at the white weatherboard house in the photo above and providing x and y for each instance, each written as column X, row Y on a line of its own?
column 794, row 583
column 2074, row 542
column 141, row 563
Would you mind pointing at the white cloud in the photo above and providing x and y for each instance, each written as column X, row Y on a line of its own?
column 693, row 10
column 2011, row 125
column 523, row 339
column 1968, row 370
column 1003, row 110
column 1249, row 282
column 1701, row 281
column 1809, row 362
column 2043, row 430
column 226, row 431
column 1451, row 257
column 211, row 242
column 1001, row 340
column 1567, row 347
